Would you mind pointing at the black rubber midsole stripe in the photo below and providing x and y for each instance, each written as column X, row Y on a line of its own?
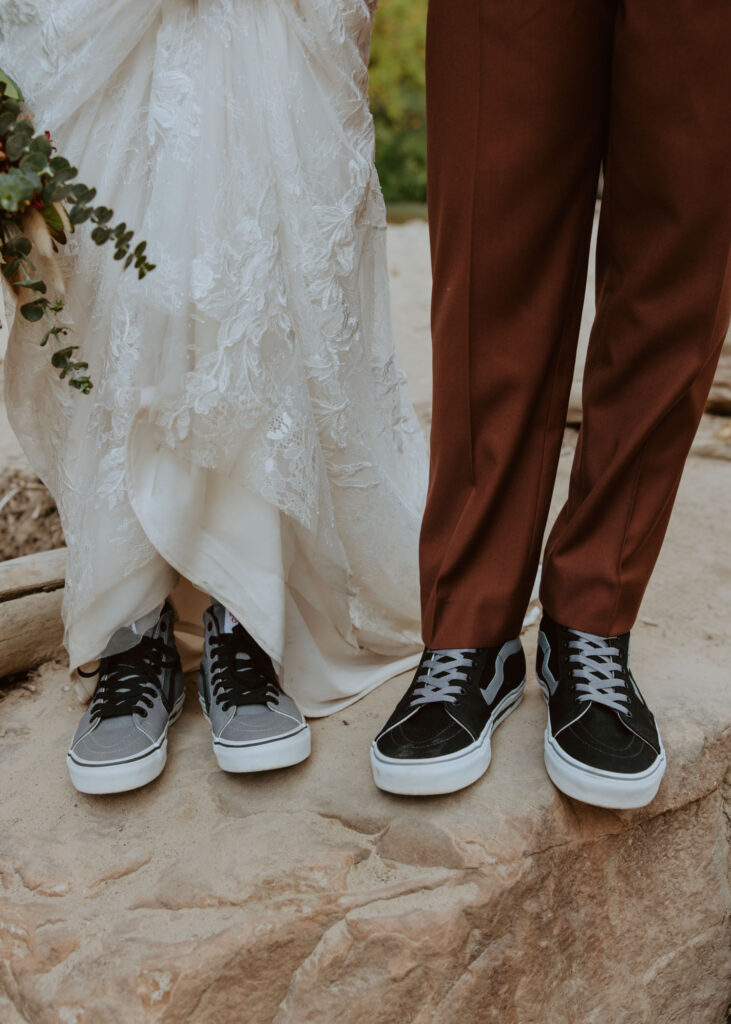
column 258, row 743
column 114, row 764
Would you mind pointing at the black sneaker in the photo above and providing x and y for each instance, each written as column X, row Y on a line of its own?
column 601, row 741
column 438, row 738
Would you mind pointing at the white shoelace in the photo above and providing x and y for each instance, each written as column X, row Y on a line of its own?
column 441, row 676
column 596, row 662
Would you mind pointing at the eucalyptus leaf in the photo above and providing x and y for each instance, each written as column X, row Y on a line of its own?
column 12, row 268
column 35, row 284
column 53, row 332
column 20, row 246
column 17, row 189
column 79, row 214
column 18, row 140
column 25, row 127
column 60, row 163
column 83, row 194
column 33, row 311
column 60, row 356
column 10, row 88
column 12, row 194
column 32, row 181
column 102, row 215
column 53, row 193
column 16, row 145
column 34, row 162
column 41, row 144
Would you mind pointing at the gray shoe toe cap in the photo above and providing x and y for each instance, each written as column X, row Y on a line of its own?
column 257, row 724
column 111, row 739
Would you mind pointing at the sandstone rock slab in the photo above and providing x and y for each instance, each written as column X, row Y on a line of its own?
column 309, row 896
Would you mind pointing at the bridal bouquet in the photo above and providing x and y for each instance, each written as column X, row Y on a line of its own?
column 40, row 206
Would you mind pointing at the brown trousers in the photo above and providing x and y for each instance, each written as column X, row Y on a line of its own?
column 526, row 100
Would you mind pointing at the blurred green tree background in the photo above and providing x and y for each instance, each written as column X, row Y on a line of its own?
column 397, row 98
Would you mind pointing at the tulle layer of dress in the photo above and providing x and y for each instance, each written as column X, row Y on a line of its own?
column 249, row 427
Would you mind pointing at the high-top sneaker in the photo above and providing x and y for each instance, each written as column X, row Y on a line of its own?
column 601, row 743
column 121, row 741
column 438, row 738
column 255, row 725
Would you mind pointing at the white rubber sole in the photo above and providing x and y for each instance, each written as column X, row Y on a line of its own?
column 266, row 756
column 597, row 787
column 448, row 774
column 123, row 776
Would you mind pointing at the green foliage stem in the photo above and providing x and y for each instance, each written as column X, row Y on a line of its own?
column 31, row 177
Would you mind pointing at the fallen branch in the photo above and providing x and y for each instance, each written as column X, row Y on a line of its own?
column 31, row 593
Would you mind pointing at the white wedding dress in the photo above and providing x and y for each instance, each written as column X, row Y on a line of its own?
column 249, row 427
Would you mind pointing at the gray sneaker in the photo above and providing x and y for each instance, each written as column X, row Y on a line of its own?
column 121, row 741
column 256, row 727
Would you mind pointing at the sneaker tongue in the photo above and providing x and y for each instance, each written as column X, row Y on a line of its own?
column 229, row 621
column 610, row 725
column 253, row 711
column 148, row 625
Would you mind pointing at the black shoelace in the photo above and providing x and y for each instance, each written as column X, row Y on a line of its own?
column 129, row 682
column 240, row 675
